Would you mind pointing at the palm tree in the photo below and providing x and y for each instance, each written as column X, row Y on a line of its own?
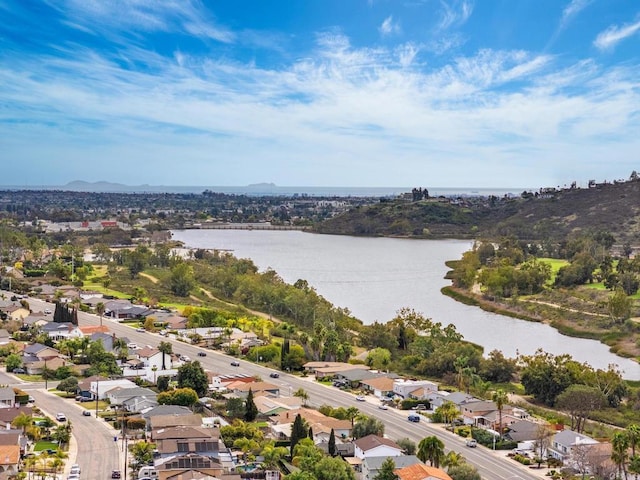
column 302, row 394
column 166, row 348
column 452, row 459
column 100, row 308
column 352, row 413
column 500, row 398
column 633, row 434
column 22, row 421
column 431, row 449
column 619, row 452
column 449, row 412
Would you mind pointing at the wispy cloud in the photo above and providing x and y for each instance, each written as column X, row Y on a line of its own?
column 186, row 16
column 340, row 105
column 572, row 9
column 613, row 35
column 454, row 13
column 389, row 27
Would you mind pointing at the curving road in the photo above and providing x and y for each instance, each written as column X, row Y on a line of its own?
column 491, row 465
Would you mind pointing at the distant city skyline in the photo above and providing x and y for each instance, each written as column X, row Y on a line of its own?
column 360, row 93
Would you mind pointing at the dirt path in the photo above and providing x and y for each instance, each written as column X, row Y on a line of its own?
column 253, row 312
column 554, row 305
column 149, row 277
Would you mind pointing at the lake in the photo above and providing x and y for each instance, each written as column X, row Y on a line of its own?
column 375, row 277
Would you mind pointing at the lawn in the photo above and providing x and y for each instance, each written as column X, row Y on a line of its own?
column 556, row 264
column 45, row 445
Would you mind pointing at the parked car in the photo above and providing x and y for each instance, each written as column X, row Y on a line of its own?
column 274, row 374
column 132, row 346
column 383, row 406
column 61, row 417
column 235, row 363
column 75, row 469
column 19, row 370
column 472, row 442
column 116, row 474
column 73, row 476
column 140, row 329
column 361, row 398
column 47, row 311
column 86, row 413
column 414, row 417
column 184, row 358
column 202, row 354
column 421, row 406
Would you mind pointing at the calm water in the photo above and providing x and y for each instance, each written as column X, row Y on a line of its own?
column 375, row 277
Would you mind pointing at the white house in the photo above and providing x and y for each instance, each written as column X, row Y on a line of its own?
column 100, row 388
column 61, row 331
column 405, row 387
column 375, row 446
column 563, row 443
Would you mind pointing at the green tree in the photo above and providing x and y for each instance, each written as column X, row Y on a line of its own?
column 192, row 375
column 619, row 452
column 408, row 446
column 368, row 426
column 546, row 376
column 500, row 398
column 351, row 413
column 379, row 359
column 619, row 306
column 387, row 470
column 182, row 279
column 100, row 309
column 235, row 407
column 448, row 412
column 166, row 348
column 431, row 449
column 464, row 471
column 332, row 443
column 579, row 401
column 13, row 361
column 142, row 452
column 298, row 432
column 250, row 409
column 302, row 394
column 180, row 396
column 69, row 385
column 333, row 468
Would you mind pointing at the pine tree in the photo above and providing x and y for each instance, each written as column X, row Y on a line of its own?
column 386, row 471
column 310, row 433
column 284, row 351
column 332, row 443
column 74, row 317
column 298, row 432
column 250, row 409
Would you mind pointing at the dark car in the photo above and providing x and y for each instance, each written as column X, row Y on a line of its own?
column 274, row 374
column 235, row 363
column 116, row 474
column 414, row 418
column 19, row 370
column 202, row 354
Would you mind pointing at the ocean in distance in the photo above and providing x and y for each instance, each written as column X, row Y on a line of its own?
column 375, row 277
column 268, row 189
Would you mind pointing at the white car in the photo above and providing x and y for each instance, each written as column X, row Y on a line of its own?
column 132, row 346
column 75, row 470
column 360, row 398
column 140, row 329
column 383, row 406
column 61, row 417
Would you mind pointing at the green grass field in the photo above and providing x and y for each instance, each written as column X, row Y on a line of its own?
column 555, row 264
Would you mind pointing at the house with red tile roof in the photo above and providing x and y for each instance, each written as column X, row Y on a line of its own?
column 419, row 471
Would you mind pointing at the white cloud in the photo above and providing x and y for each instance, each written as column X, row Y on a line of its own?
column 609, row 38
column 340, row 109
column 572, row 9
column 186, row 16
column 388, row 27
column 454, row 13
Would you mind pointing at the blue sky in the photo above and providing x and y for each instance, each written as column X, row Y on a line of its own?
column 439, row 93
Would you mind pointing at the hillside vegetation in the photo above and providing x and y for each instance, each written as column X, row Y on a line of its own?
column 547, row 215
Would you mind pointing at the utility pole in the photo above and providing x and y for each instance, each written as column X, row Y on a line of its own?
column 97, row 393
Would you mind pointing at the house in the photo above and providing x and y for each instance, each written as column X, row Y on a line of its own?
column 5, row 337
column 219, row 382
column 40, row 351
column 35, row 366
column 7, row 397
column 258, row 388
column 404, row 387
column 14, row 436
column 139, row 403
column 371, row 465
column 8, row 415
column 281, row 424
column 421, row 472
column 176, row 466
column 484, row 413
column 61, row 331
column 268, row 406
column 524, row 431
column 118, row 396
column 99, row 388
column 563, row 443
column 375, row 446
column 9, row 461
column 160, row 422
column 323, row 369
column 160, row 410
column 382, row 387
column 91, row 329
column 183, row 439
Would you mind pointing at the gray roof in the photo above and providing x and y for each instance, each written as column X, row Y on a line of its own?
column 7, row 393
column 375, row 463
column 522, row 430
column 569, row 437
column 460, row 397
column 57, row 327
column 358, row 375
column 167, row 410
column 127, row 393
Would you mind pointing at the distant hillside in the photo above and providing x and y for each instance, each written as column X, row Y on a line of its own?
column 549, row 215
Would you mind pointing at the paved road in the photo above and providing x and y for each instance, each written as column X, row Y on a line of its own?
column 92, row 446
column 492, row 465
